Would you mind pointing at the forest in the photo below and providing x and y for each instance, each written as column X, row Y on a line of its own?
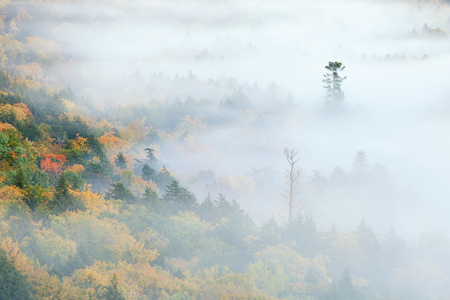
column 131, row 169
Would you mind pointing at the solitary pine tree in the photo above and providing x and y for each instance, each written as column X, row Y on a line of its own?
column 333, row 82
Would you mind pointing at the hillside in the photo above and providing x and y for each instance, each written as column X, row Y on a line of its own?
column 115, row 191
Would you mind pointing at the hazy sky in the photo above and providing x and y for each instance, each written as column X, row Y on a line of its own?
column 397, row 90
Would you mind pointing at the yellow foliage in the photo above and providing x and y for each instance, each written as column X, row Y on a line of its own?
column 190, row 124
column 138, row 185
column 44, row 285
column 4, row 4
column 12, row 48
column 53, row 245
column 282, row 256
column 13, row 252
column 22, row 16
column 117, row 241
column 136, row 281
column 10, row 194
column 136, row 131
column 76, row 168
column 44, row 49
column 95, row 203
column 113, row 144
column 28, row 83
column 344, row 247
column 4, row 126
column 4, row 227
column 32, row 70
column 20, row 110
column 80, row 144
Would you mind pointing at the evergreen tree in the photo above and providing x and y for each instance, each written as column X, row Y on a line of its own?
column 333, row 82
column 179, row 198
column 19, row 179
column 150, row 154
column 63, row 200
column 151, row 200
column 120, row 161
column 164, row 178
column 120, row 192
column 112, row 290
column 147, row 172
column 13, row 284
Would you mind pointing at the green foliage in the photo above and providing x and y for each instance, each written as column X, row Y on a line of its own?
column 147, row 172
column 97, row 174
column 34, row 196
column 232, row 224
column 120, row 161
column 150, row 154
column 112, row 290
column 74, row 180
column 5, row 80
column 304, row 232
column 63, row 199
column 120, row 192
column 151, row 200
column 164, row 178
column 13, row 284
column 178, row 198
column 19, row 179
column 333, row 82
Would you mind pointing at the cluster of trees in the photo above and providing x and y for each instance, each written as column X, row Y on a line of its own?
column 88, row 210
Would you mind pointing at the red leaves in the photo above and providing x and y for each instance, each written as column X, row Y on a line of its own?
column 53, row 163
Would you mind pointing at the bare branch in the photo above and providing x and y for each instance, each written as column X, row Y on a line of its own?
column 293, row 174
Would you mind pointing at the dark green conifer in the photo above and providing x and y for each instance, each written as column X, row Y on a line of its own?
column 112, row 290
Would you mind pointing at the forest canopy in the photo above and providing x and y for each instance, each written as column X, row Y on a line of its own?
column 153, row 185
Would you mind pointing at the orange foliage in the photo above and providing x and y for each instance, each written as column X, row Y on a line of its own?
column 53, row 163
column 20, row 110
column 4, row 126
column 10, row 194
column 80, row 143
column 112, row 143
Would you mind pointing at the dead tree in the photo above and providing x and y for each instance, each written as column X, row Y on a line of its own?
column 293, row 174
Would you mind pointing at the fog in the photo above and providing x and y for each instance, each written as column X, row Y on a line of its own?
column 395, row 108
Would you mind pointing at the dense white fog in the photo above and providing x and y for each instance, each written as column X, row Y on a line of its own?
column 395, row 108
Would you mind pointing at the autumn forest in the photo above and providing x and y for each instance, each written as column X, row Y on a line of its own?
column 129, row 171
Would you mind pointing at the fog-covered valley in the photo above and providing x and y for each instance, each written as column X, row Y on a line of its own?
column 395, row 92
column 143, row 149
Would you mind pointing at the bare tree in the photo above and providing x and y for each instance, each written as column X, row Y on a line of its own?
column 293, row 174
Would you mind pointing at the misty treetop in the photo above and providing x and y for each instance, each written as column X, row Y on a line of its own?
column 333, row 81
